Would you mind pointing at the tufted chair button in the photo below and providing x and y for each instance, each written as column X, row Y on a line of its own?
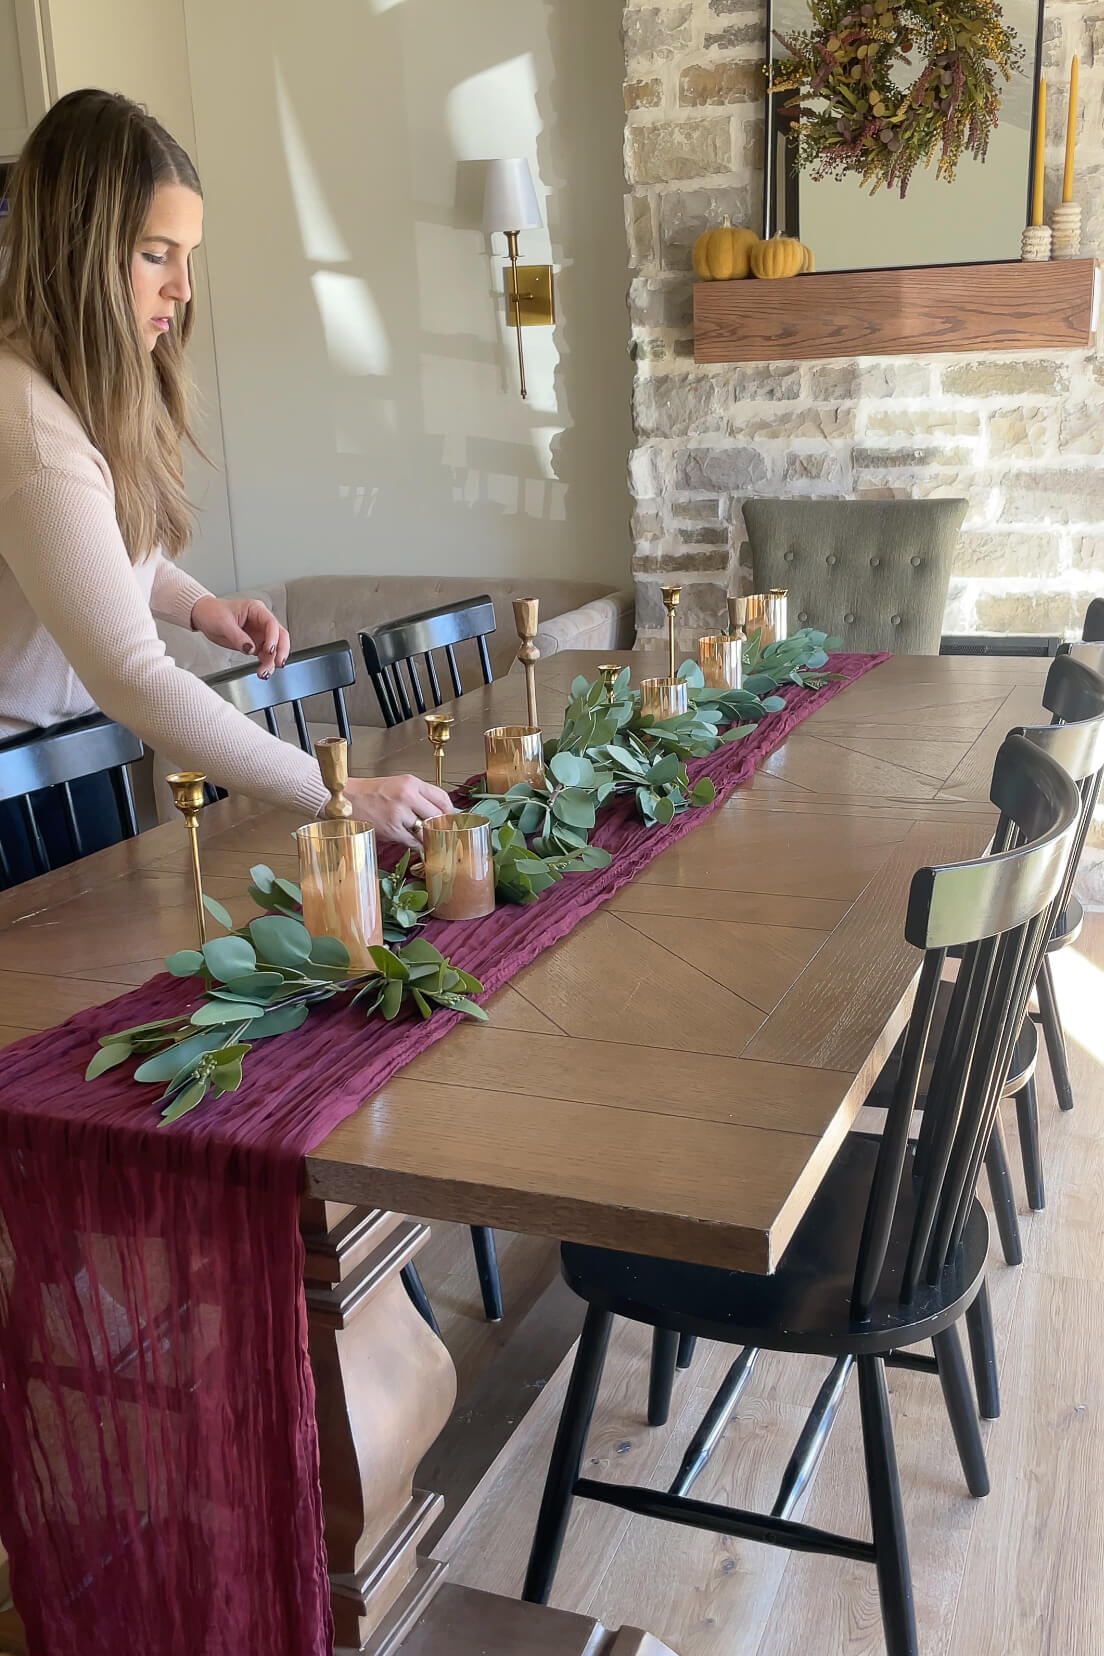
column 802, row 615
column 874, row 562
column 788, row 556
column 849, row 618
column 895, row 620
column 915, row 562
column 831, row 558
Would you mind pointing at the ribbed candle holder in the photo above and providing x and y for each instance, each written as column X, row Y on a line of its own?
column 1065, row 222
column 1035, row 244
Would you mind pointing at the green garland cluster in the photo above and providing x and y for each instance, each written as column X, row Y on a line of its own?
column 263, row 978
column 851, row 114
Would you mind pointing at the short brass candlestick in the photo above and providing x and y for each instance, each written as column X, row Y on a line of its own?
column 332, row 754
column 737, row 615
column 526, row 620
column 439, row 731
column 187, row 792
column 611, row 672
column 671, row 598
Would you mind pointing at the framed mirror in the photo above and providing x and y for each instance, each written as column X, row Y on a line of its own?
column 978, row 216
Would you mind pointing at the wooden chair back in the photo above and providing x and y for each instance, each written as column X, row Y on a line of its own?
column 312, row 672
column 1074, row 696
column 56, row 758
column 389, row 649
column 995, row 913
column 1093, row 630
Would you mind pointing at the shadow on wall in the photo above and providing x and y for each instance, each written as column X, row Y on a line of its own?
column 367, row 376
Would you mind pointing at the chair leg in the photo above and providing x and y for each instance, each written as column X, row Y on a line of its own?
column 415, row 1289
column 686, row 1348
column 1027, row 1118
column 665, row 1345
column 486, row 1263
column 814, row 1436
column 1054, row 1036
column 962, row 1410
column 886, row 1515
column 567, row 1455
column 1004, row 1200
column 983, row 1355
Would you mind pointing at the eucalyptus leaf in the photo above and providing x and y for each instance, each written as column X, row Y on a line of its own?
column 215, row 1012
column 280, row 1021
column 418, row 951
column 106, row 1057
column 194, row 1093
column 575, row 808
column 690, row 673
column 262, row 877
column 567, row 768
column 392, row 1001
column 664, row 810
column 184, row 963
column 183, row 1055
column 229, row 957
column 221, row 914
column 328, row 951
column 281, row 940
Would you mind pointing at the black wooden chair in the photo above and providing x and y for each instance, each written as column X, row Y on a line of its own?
column 1074, row 696
column 389, row 649
column 893, row 1248
column 55, row 759
column 325, row 668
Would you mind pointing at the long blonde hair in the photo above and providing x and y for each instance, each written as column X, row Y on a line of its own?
column 79, row 197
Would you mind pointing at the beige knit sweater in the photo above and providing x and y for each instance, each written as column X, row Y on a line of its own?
column 77, row 617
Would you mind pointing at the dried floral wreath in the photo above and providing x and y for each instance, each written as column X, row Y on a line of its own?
column 853, row 115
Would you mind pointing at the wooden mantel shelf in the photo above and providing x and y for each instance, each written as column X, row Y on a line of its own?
column 919, row 311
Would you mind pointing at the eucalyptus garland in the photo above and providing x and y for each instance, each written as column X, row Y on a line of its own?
column 264, row 978
column 852, row 115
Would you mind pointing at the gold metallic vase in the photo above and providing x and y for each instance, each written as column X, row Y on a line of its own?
column 721, row 659
column 459, row 873
column 766, row 614
column 664, row 698
column 513, row 754
column 341, row 898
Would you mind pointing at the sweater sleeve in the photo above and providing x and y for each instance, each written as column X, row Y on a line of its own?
column 174, row 594
column 60, row 538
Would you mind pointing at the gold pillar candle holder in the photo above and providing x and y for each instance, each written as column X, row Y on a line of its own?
column 439, row 731
column 672, row 597
column 187, row 793
column 721, row 659
column 766, row 614
column 513, row 754
column 526, row 620
column 340, row 884
column 459, row 872
column 664, row 698
column 332, row 754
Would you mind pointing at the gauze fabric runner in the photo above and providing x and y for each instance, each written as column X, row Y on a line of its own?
column 159, row 1483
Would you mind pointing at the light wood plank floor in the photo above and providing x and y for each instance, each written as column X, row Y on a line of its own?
column 1018, row 1574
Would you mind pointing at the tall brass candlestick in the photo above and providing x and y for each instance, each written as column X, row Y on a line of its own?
column 526, row 620
column 187, row 792
column 332, row 754
column 439, row 731
column 671, row 598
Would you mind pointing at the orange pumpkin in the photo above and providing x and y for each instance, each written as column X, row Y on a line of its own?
column 781, row 256
column 722, row 255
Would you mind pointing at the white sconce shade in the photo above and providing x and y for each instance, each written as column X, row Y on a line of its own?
column 509, row 200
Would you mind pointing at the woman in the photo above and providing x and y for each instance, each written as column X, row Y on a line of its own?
column 95, row 310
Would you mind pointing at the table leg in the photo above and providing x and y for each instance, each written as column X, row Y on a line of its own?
column 385, row 1386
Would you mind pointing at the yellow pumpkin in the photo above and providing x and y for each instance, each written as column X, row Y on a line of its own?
column 722, row 255
column 781, row 256
column 809, row 266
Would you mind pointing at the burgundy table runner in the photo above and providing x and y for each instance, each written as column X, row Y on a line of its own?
column 159, row 1483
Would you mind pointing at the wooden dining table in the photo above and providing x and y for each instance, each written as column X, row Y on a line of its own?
column 674, row 1076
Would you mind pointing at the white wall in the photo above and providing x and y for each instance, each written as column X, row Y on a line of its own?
column 370, row 409
column 138, row 47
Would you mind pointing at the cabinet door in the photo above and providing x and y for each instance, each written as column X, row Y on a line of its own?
column 23, row 95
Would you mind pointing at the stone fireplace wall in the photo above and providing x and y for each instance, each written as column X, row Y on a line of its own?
column 1021, row 437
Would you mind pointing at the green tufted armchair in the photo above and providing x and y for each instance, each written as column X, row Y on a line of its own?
column 871, row 572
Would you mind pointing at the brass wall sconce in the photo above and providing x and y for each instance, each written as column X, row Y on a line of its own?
column 510, row 205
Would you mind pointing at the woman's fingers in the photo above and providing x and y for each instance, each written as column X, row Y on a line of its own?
column 435, row 800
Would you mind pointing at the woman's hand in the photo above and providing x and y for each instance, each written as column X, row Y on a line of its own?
column 243, row 624
column 396, row 806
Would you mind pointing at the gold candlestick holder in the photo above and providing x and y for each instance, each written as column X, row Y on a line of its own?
column 439, row 730
column 610, row 672
column 672, row 596
column 737, row 616
column 332, row 754
column 526, row 620
column 187, row 793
